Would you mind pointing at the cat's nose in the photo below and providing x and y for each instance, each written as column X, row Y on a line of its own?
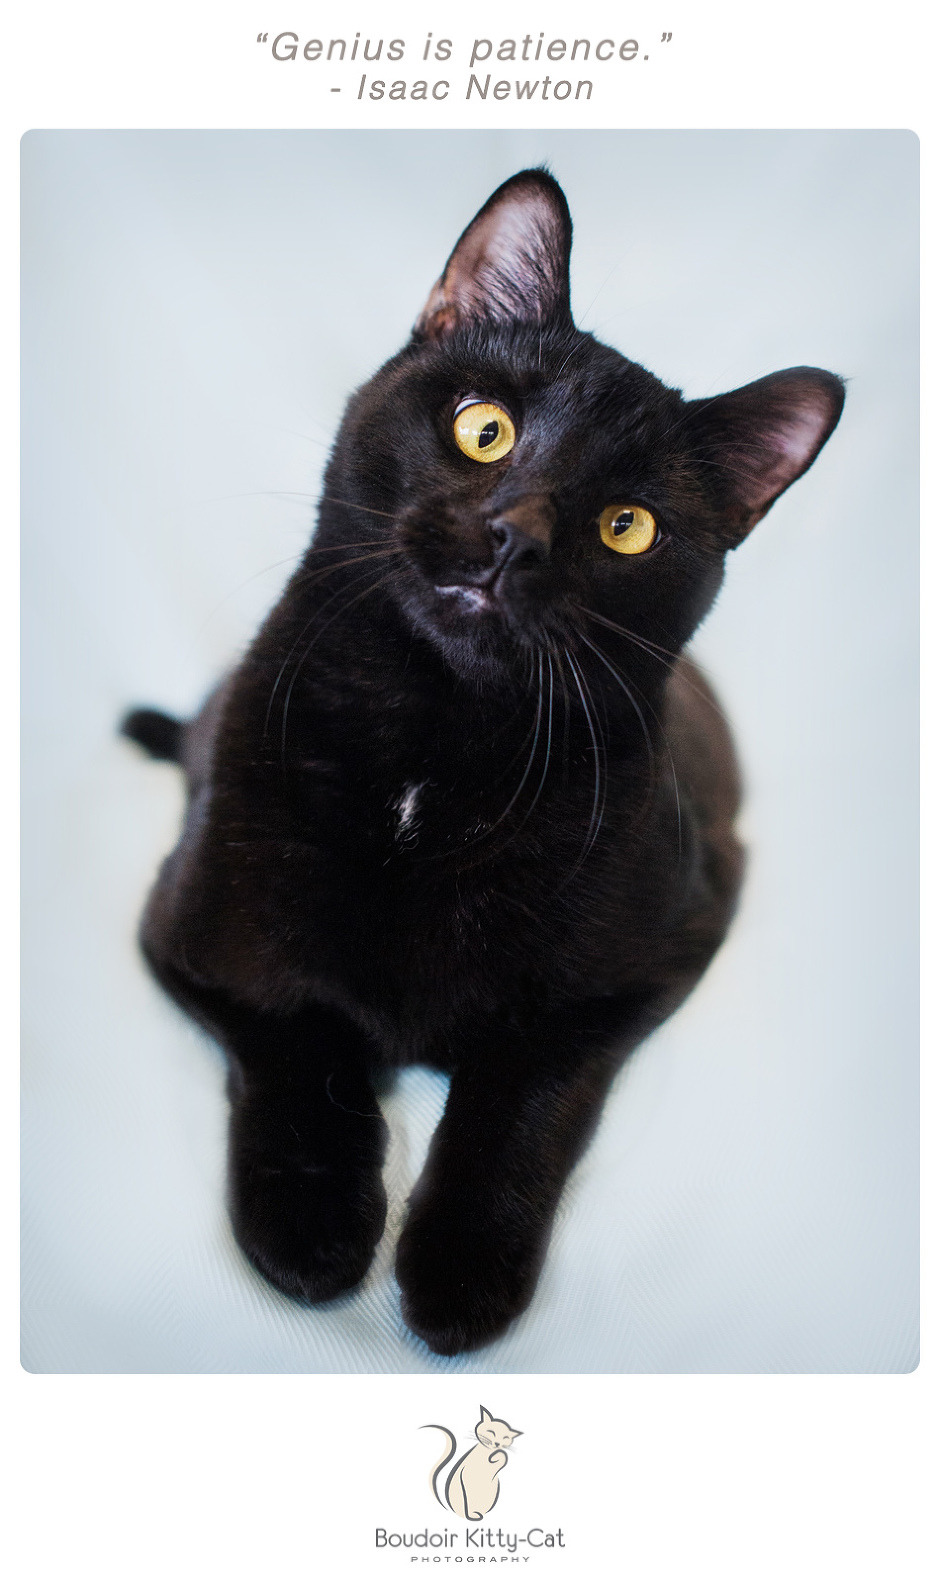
column 522, row 534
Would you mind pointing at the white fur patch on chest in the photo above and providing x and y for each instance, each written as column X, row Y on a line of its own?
column 407, row 809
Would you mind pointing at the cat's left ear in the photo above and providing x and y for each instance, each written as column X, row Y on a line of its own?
column 485, row 1416
column 758, row 440
column 511, row 263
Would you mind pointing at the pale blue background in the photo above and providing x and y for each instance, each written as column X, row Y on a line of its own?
column 196, row 309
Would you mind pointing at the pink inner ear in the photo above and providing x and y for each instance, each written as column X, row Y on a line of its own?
column 790, row 445
column 798, row 438
column 513, row 231
column 510, row 264
column 498, row 252
column 767, row 433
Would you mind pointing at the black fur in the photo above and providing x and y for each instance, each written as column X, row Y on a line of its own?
column 159, row 734
column 489, row 829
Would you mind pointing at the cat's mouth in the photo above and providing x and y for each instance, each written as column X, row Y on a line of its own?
column 498, row 606
column 474, row 599
column 498, row 592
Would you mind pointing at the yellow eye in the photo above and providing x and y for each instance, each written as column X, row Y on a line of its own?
column 484, row 431
column 629, row 529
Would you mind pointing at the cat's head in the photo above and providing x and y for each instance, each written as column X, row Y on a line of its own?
column 523, row 473
column 494, row 1434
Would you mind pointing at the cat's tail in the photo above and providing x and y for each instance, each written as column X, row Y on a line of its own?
column 438, row 1469
column 158, row 734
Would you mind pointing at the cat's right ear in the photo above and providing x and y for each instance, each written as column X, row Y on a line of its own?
column 511, row 263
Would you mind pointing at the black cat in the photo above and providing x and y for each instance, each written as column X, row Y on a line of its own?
column 462, row 803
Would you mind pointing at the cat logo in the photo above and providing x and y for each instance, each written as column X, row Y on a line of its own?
column 471, row 1488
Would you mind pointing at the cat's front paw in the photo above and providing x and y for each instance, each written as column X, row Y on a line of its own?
column 305, row 1187
column 310, row 1230
column 460, row 1291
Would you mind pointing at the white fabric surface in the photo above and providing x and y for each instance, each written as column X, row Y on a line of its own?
column 196, row 309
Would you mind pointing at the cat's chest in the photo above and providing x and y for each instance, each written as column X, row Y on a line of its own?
column 425, row 888
column 472, row 901
column 465, row 866
column 485, row 1462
